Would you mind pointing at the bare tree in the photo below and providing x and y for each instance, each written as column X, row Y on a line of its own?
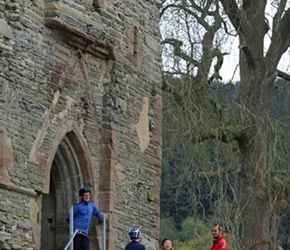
column 196, row 36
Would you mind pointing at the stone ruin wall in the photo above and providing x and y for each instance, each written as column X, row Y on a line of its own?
column 81, row 74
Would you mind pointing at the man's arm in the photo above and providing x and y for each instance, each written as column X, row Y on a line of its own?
column 99, row 214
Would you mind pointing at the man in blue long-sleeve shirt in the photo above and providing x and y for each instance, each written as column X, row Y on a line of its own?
column 82, row 215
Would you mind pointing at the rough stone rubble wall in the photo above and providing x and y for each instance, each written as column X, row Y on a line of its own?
column 92, row 67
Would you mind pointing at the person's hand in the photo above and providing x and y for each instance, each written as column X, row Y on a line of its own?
column 101, row 219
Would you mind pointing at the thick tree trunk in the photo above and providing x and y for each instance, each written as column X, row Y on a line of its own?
column 255, row 201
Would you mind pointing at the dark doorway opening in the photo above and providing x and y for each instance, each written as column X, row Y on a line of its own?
column 65, row 180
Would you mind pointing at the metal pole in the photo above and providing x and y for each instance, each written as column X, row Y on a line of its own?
column 71, row 227
column 70, row 243
column 104, row 233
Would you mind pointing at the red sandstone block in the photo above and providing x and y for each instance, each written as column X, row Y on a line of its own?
column 108, row 196
column 130, row 48
column 153, row 161
column 120, row 58
column 3, row 131
column 6, row 152
column 108, row 152
column 110, row 137
column 130, row 57
column 159, row 152
column 106, row 186
column 157, row 137
column 154, row 232
column 106, row 167
column 131, row 36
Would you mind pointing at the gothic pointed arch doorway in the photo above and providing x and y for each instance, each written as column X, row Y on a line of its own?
column 66, row 177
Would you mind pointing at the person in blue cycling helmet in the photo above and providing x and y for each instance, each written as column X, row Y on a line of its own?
column 135, row 237
column 82, row 215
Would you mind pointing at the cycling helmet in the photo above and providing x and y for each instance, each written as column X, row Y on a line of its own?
column 134, row 232
column 83, row 190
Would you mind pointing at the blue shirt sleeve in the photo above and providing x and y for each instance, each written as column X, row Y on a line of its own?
column 97, row 212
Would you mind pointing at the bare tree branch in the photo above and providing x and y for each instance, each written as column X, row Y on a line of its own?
column 234, row 13
column 280, row 40
column 178, row 51
column 278, row 15
column 283, row 75
column 218, row 65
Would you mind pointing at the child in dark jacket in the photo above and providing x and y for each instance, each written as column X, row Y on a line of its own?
column 135, row 244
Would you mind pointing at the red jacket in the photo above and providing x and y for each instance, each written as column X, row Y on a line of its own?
column 220, row 244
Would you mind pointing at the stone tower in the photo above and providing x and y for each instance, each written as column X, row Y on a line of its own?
column 80, row 103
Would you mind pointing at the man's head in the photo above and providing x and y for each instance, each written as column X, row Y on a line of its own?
column 85, row 194
column 134, row 233
column 216, row 231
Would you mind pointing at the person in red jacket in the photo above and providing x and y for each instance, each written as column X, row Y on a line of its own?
column 219, row 241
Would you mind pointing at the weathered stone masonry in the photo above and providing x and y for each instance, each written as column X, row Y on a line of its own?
column 80, row 103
